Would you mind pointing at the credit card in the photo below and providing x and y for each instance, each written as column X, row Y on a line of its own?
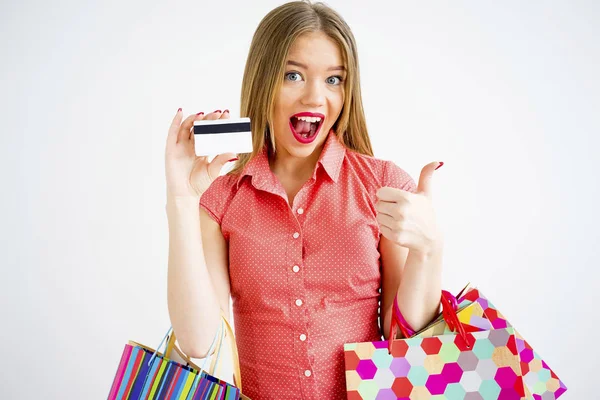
column 231, row 135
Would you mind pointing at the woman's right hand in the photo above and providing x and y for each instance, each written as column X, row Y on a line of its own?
column 189, row 175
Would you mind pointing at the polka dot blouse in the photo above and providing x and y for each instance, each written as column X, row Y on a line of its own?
column 305, row 277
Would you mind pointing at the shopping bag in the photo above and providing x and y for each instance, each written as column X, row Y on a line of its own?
column 144, row 373
column 469, row 351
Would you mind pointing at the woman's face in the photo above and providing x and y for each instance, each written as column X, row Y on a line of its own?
column 311, row 96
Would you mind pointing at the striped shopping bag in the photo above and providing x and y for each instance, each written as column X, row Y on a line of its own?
column 147, row 374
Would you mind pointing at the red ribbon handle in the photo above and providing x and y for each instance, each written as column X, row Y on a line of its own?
column 449, row 309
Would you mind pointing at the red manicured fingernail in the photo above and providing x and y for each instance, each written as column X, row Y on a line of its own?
column 179, row 109
column 441, row 163
column 217, row 111
column 225, row 111
column 200, row 113
column 233, row 159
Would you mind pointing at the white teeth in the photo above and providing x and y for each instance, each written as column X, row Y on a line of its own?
column 310, row 119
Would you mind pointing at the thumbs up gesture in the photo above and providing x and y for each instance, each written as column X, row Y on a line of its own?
column 408, row 219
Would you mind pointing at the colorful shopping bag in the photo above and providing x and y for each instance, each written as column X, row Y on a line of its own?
column 468, row 352
column 144, row 373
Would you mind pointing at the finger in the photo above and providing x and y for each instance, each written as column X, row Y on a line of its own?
column 392, row 194
column 210, row 116
column 390, row 208
column 185, row 127
column 424, row 185
column 387, row 221
column 225, row 114
column 174, row 127
column 216, row 165
column 199, row 117
column 214, row 115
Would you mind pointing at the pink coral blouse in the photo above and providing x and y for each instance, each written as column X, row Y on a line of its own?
column 305, row 277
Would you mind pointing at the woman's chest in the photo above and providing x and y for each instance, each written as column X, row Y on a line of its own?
column 326, row 241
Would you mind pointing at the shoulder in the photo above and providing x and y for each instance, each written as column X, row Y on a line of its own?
column 224, row 182
column 394, row 176
column 222, row 187
column 381, row 172
column 217, row 197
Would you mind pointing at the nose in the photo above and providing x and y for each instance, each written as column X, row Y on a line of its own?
column 313, row 94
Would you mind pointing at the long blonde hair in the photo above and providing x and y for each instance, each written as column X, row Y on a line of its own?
column 265, row 69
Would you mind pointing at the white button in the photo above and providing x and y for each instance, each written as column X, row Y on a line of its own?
column 303, row 337
column 300, row 211
column 296, row 235
column 296, row 268
column 298, row 302
column 307, row 372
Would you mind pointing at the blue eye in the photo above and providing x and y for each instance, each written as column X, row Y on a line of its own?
column 292, row 74
column 332, row 80
column 339, row 80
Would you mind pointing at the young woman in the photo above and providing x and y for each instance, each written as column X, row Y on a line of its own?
column 309, row 234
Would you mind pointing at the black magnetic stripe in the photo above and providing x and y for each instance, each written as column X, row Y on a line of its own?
column 222, row 128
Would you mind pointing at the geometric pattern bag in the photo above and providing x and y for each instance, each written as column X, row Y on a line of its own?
column 468, row 352
column 144, row 373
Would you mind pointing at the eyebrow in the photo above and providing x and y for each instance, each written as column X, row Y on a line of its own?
column 298, row 64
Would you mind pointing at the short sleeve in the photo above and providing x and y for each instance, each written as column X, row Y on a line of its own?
column 396, row 177
column 215, row 199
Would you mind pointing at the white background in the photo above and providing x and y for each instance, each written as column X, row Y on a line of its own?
column 505, row 93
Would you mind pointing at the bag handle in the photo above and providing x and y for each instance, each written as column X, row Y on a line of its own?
column 237, row 379
column 215, row 365
column 234, row 353
column 167, row 353
column 449, row 308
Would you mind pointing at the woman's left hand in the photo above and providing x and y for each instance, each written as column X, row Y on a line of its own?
column 408, row 219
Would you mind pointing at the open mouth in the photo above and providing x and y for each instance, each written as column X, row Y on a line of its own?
column 306, row 127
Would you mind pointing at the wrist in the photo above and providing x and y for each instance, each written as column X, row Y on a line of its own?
column 434, row 249
column 437, row 244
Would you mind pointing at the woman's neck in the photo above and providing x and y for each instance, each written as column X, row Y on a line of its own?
column 293, row 168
